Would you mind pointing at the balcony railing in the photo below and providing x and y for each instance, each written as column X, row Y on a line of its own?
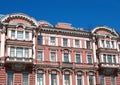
column 109, row 65
column 21, row 59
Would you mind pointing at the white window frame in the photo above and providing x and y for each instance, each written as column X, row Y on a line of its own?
column 53, row 44
column 93, row 79
column 104, row 80
column 55, row 56
column 42, row 55
column 28, row 77
column 13, row 78
column 68, row 57
column 75, row 44
column 57, row 78
column 80, row 57
column 91, row 58
column 44, row 80
column 82, row 79
column 64, row 79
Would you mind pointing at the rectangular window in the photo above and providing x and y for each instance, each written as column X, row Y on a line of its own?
column 40, row 79
column 112, row 80
column 77, row 43
column 66, row 79
column 26, row 35
column 102, row 81
column 20, row 35
column 26, row 53
column 112, row 44
column 104, row 58
column 114, row 59
column 88, row 44
column 19, row 52
column 109, row 58
column 78, row 58
column 119, row 46
column 103, row 43
column 52, row 40
column 25, row 79
column 65, row 42
column 53, row 56
column 12, row 52
column 40, row 55
column 10, row 78
column 66, row 57
column 53, row 79
column 13, row 34
column 89, row 57
column 108, row 44
column 40, row 40
column 79, row 80
column 91, row 80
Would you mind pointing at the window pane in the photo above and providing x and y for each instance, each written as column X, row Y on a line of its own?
column 104, row 58
column 53, row 79
column 89, row 59
column 53, row 56
column 109, row 59
column 114, row 59
column 91, row 80
column 66, row 57
column 88, row 44
column 40, row 55
column 40, row 39
column 112, row 44
column 39, row 79
column 25, row 79
column 102, row 82
column 78, row 59
column 12, row 52
column 79, row 80
column 13, row 34
column 108, row 44
column 77, row 43
column 20, row 35
column 67, row 79
column 9, row 78
column 52, row 40
column 26, row 52
column 19, row 52
column 65, row 42
column 26, row 35
column 113, row 80
column 103, row 43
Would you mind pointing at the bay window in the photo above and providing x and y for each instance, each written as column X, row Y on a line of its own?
column 19, row 52
column 12, row 52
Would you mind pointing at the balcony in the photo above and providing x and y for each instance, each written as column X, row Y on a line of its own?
column 19, row 42
column 106, row 50
column 18, row 64
column 108, row 68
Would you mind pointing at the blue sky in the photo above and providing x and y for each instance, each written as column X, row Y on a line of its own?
column 80, row 13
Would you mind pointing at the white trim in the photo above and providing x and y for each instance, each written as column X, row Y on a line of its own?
column 43, row 59
column 55, row 56
column 2, row 44
column 80, row 57
column 82, row 79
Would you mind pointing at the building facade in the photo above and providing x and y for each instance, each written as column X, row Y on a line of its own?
column 38, row 53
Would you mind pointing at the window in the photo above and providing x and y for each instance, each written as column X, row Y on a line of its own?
column 19, row 52
column 119, row 46
column 66, row 79
column 103, row 43
column 109, row 58
column 40, row 79
column 12, row 52
column 89, row 59
column 26, row 53
column 88, row 44
column 112, row 80
column 53, row 79
column 66, row 57
column 77, row 44
column 78, row 58
column 53, row 56
column 114, row 59
column 102, row 81
column 52, row 40
column 26, row 35
column 20, row 35
column 25, row 79
column 40, row 39
column 104, row 58
column 79, row 80
column 65, row 42
column 112, row 44
column 9, row 78
column 108, row 44
column 13, row 34
column 91, row 80
column 40, row 55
